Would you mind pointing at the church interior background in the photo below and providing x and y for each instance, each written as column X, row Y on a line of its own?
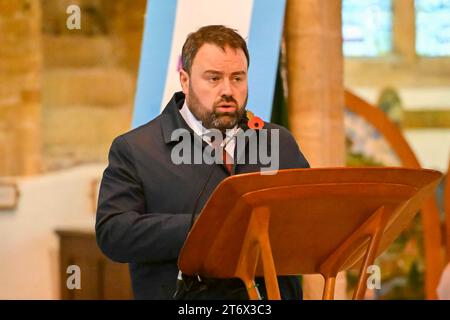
column 65, row 94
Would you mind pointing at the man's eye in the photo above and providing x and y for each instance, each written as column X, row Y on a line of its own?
column 213, row 79
column 237, row 79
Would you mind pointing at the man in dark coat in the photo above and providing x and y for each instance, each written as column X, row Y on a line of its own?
column 147, row 197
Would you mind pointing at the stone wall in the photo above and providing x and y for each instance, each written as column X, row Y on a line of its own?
column 89, row 79
column 65, row 94
column 20, row 87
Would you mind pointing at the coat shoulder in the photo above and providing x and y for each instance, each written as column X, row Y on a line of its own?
column 284, row 133
column 148, row 132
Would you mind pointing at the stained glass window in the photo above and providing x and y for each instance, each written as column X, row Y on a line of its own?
column 433, row 27
column 367, row 27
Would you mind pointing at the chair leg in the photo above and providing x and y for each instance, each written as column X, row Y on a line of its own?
column 248, row 261
column 328, row 290
column 252, row 290
column 256, row 245
column 372, row 229
column 270, row 275
column 369, row 259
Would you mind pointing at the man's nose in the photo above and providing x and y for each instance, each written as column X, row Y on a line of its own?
column 226, row 88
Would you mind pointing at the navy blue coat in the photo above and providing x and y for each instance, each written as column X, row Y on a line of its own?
column 145, row 201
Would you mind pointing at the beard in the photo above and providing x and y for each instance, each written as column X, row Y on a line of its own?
column 215, row 119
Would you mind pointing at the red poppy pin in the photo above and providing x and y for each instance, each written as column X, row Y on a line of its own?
column 254, row 122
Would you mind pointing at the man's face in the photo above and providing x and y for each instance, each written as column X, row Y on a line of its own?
column 216, row 89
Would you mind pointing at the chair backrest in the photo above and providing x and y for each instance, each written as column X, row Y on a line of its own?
column 434, row 260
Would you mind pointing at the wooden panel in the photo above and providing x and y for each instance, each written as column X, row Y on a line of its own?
column 101, row 278
column 115, row 282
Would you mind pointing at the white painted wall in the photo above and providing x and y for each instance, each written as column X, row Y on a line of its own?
column 431, row 146
column 28, row 245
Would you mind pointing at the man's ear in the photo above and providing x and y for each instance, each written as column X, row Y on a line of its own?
column 184, row 81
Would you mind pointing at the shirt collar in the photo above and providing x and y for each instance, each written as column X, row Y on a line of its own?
column 198, row 127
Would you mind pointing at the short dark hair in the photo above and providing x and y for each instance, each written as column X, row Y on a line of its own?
column 219, row 35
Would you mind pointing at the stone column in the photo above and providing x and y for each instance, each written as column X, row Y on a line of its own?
column 316, row 92
column 20, row 87
column 404, row 30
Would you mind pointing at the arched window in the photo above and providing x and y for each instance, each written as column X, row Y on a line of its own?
column 433, row 28
column 367, row 27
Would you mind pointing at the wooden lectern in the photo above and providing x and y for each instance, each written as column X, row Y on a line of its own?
column 303, row 221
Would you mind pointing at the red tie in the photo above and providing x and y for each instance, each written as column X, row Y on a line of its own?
column 227, row 161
